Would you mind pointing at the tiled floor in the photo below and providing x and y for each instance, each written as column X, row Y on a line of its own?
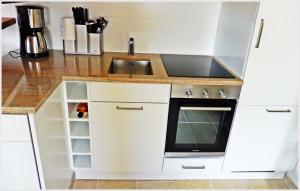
column 184, row 184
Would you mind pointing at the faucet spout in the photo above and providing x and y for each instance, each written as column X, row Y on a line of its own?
column 131, row 47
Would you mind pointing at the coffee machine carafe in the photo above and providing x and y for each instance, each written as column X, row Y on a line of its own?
column 31, row 25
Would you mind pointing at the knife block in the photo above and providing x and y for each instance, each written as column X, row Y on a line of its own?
column 85, row 43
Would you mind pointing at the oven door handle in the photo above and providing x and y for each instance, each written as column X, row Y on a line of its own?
column 206, row 108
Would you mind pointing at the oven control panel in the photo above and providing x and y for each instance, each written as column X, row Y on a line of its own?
column 205, row 92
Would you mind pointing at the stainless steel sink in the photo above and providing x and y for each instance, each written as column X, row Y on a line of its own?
column 131, row 67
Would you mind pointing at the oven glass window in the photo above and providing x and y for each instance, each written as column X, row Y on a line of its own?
column 197, row 126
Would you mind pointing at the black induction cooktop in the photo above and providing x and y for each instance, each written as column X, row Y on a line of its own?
column 193, row 66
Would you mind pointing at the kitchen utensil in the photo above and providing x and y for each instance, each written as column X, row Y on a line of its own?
column 82, row 19
column 75, row 15
column 88, row 33
column 102, row 23
column 91, row 26
column 86, row 15
column 80, row 15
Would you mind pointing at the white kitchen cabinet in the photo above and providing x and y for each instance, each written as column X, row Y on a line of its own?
column 261, row 140
column 15, row 128
column 271, row 76
column 128, row 137
column 264, row 134
column 50, row 142
column 18, row 170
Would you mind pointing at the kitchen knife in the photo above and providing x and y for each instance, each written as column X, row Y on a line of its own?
column 80, row 15
column 86, row 15
column 75, row 15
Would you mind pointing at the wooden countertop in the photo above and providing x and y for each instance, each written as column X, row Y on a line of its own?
column 7, row 21
column 27, row 83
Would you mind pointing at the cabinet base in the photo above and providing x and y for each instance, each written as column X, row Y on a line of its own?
column 91, row 174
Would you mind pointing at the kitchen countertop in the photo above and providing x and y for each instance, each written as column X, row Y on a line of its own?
column 27, row 83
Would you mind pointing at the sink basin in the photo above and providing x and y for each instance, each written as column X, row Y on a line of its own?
column 131, row 67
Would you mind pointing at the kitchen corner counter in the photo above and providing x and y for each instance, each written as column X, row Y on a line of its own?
column 27, row 83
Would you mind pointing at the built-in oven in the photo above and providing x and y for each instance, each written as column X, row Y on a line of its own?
column 200, row 119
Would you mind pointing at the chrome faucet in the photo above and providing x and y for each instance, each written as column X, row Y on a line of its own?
column 131, row 47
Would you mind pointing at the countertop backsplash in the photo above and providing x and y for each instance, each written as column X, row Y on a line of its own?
column 185, row 28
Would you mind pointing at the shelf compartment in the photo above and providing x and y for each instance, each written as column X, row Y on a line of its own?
column 82, row 161
column 81, row 146
column 76, row 91
column 79, row 129
column 72, row 108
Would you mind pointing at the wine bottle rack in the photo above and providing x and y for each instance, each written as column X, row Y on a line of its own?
column 78, row 129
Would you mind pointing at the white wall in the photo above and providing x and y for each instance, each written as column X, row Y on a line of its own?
column 162, row 27
column 10, row 35
column 234, row 33
column 293, row 175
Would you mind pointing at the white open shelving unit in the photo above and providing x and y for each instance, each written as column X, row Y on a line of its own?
column 78, row 129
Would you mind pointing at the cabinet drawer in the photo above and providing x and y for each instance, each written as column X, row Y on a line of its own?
column 129, row 92
column 205, row 164
column 14, row 128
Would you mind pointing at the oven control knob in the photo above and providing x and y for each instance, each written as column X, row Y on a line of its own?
column 188, row 93
column 222, row 94
column 205, row 93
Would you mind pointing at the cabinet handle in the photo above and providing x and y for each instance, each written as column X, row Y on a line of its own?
column 129, row 108
column 261, row 27
column 193, row 167
column 278, row 110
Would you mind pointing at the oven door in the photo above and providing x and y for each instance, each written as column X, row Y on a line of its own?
column 198, row 127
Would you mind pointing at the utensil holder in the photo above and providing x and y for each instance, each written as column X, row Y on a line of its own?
column 81, row 39
column 84, row 43
column 69, row 46
column 95, row 43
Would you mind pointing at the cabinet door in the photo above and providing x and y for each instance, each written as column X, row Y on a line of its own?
column 14, row 128
column 262, row 140
column 271, row 76
column 128, row 137
column 18, row 169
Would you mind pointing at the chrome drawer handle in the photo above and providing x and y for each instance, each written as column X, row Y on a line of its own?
column 261, row 27
column 193, row 167
column 278, row 110
column 129, row 108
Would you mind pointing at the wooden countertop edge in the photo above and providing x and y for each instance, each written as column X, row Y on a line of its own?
column 170, row 80
column 18, row 110
column 7, row 22
column 29, row 110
